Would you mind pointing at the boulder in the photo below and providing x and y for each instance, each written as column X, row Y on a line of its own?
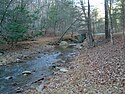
column 80, row 38
column 63, row 44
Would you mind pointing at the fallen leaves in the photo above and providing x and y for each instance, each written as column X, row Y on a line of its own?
column 100, row 70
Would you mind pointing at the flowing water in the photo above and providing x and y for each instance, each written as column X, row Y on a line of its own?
column 11, row 76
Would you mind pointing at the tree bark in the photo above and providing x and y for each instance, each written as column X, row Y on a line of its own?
column 123, row 19
column 107, row 32
column 123, row 29
column 88, row 22
column 90, row 37
column 4, row 14
column 111, row 26
column 83, row 9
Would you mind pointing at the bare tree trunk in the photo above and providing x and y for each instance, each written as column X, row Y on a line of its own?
column 107, row 32
column 123, row 14
column 110, row 25
column 123, row 30
column 90, row 37
column 4, row 14
column 83, row 9
column 88, row 22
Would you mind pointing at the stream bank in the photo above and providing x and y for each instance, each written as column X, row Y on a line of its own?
column 13, row 56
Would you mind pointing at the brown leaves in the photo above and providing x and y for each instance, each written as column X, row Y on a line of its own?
column 106, row 66
column 100, row 70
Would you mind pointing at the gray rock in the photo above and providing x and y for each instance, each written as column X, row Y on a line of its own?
column 60, row 61
column 18, row 60
column 19, row 90
column 26, row 72
column 63, row 44
column 63, row 70
column 72, row 45
column 3, row 60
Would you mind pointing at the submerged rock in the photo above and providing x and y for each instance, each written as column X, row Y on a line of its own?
column 1, row 54
column 9, row 77
column 3, row 60
column 14, row 84
column 18, row 60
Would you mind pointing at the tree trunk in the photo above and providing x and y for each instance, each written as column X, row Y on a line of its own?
column 111, row 26
column 89, row 34
column 88, row 22
column 83, row 9
column 107, row 32
column 4, row 14
column 123, row 29
column 123, row 19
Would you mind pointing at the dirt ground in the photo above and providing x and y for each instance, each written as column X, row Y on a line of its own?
column 28, row 44
column 99, row 70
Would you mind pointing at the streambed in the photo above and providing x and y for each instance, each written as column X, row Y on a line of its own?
column 13, row 81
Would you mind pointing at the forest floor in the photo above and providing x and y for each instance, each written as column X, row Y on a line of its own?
column 99, row 70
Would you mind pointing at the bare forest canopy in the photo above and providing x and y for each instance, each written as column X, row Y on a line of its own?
column 25, row 19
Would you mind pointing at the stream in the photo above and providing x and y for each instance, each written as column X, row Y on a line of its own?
column 12, row 79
